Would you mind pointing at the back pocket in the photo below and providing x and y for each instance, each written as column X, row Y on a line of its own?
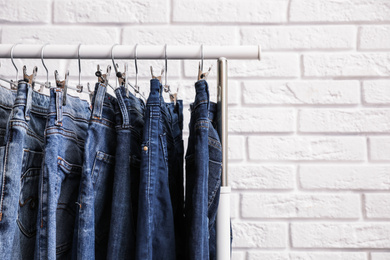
column 28, row 198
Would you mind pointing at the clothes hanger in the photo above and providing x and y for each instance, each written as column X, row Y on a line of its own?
column 79, row 87
column 136, row 86
column 13, row 86
column 201, row 74
column 62, row 84
column 103, row 78
column 167, row 88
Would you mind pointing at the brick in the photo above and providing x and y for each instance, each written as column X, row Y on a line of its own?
column 302, row 92
column 261, row 120
column 236, row 149
column 63, row 35
column 327, row 256
column 117, row 11
column 376, row 92
column 259, row 235
column 19, row 11
column 234, row 205
column 374, row 37
column 339, row 11
column 180, row 35
column 272, row 65
column 344, row 177
column 300, row 206
column 299, row 37
column 347, row 64
column 377, row 205
column 307, row 148
column 253, row 255
column 380, row 256
column 379, row 148
column 261, row 177
column 344, row 120
column 230, row 11
column 340, row 235
column 237, row 255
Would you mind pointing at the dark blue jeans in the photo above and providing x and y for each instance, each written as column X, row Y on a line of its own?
column 21, row 167
column 173, row 123
column 95, row 195
column 129, row 112
column 65, row 135
column 203, row 177
column 155, row 224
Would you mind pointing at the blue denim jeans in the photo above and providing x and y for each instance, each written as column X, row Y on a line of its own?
column 20, row 171
column 95, row 195
column 129, row 120
column 203, row 177
column 155, row 223
column 173, row 122
column 65, row 134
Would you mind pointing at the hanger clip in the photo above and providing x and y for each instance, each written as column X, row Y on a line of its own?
column 203, row 75
column 30, row 79
column 156, row 77
column 62, row 84
column 103, row 78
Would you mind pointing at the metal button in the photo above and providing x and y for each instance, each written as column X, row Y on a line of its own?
column 145, row 148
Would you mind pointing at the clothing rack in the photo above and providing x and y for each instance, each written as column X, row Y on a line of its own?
column 222, row 53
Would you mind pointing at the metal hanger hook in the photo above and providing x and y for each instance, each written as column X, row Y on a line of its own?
column 12, row 60
column 166, row 68
column 136, row 65
column 47, row 84
column 79, row 86
column 113, row 59
column 202, row 57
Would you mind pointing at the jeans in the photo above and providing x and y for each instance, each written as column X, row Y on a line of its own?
column 20, row 172
column 155, row 224
column 93, row 221
column 129, row 112
column 203, row 177
column 174, row 125
column 65, row 133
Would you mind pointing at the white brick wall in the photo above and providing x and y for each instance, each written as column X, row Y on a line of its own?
column 309, row 124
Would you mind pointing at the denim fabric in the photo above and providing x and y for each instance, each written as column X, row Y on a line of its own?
column 173, row 122
column 155, row 223
column 20, row 172
column 7, row 99
column 129, row 112
column 203, row 177
column 65, row 133
column 93, row 221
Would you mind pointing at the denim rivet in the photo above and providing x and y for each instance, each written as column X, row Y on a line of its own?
column 145, row 148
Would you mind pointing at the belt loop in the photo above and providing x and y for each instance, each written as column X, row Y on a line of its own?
column 97, row 109
column 123, row 108
column 28, row 103
column 208, row 94
column 59, row 104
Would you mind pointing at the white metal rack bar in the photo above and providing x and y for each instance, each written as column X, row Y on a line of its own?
column 24, row 51
column 222, row 53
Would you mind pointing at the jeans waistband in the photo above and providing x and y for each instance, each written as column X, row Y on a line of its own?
column 103, row 106
column 31, row 100
column 129, row 110
column 74, row 108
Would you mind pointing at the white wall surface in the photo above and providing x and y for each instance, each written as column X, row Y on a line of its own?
column 309, row 125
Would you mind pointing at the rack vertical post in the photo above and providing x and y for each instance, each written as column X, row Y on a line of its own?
column 223, row 214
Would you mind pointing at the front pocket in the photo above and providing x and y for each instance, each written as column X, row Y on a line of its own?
column 101, row 165
column 28, row 198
